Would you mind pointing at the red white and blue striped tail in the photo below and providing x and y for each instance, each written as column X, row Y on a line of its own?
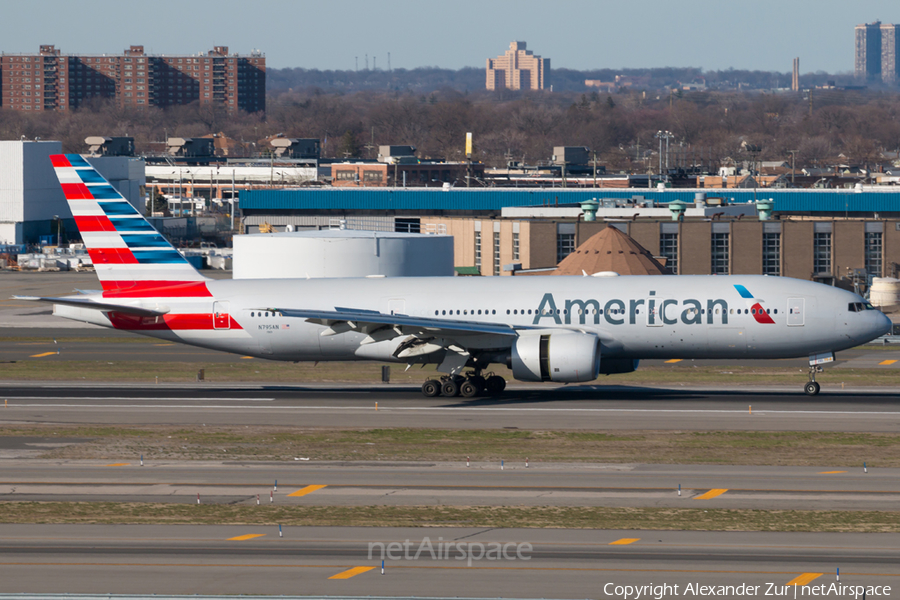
column 131, row 258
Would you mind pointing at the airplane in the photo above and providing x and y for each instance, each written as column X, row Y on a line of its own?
column 557, row 329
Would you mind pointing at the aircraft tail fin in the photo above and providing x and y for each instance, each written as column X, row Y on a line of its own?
column 131, row 258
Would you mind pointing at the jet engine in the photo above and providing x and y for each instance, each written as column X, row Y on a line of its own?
column 565, row 356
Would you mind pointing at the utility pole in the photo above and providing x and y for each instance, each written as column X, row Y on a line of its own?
column 595, row 169
column 664, row 135
column 793, row 157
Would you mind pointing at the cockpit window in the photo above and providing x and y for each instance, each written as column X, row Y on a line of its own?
column 860, row 306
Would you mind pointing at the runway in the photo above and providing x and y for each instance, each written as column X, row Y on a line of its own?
column 538, row 563
column 523, row 406
column 329, row 483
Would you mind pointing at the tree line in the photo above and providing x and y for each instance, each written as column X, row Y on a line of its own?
column 854, row 126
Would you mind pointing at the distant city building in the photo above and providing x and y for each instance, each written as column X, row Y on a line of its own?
column 54, row 81
column 890, row 44
column 795, row 77
column 518, row 69
column 868, row 51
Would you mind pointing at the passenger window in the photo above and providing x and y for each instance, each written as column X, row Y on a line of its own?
column 775, row 311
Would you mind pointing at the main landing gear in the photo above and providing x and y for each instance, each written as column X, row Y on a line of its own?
column 812, row 387
column 468, row 386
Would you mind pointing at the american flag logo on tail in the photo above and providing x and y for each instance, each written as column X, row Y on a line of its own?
column 131, row 258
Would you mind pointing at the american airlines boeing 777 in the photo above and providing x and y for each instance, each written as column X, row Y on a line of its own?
column 562, row 329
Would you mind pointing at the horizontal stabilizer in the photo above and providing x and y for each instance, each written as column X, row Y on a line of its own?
column 90, row 304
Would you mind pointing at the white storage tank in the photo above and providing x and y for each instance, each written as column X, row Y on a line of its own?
column 885, row 291
column 341, row 253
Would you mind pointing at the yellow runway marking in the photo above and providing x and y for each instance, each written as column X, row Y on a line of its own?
column 246, row 357
column 887, row 362
column 804, row 579
column 246, row 536
column 351, row 572
column 118, row 465
column 307, row 490
column 830, row 472
column 711, row 494
column 674, row 360
column 624, row 541
column 42, row 355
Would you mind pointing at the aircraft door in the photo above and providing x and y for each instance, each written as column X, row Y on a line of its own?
column 397, row 306
column 654, row 311
column 221, row 316
column 795, row 312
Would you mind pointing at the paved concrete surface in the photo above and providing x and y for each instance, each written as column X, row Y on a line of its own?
column 562, row 564
column 523, row 407
column 451, row 484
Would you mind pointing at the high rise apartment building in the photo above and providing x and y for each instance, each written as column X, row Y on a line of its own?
column 877, row 50
column 518, row 69
column 890, row 45
column 51, row 80
column 868, row 51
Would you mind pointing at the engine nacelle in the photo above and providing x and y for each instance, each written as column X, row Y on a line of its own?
column 558, row 355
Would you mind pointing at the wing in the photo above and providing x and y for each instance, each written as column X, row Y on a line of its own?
column 102, row 306
column 340, row 320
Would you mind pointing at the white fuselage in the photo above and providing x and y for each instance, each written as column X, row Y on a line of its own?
column 633, row 316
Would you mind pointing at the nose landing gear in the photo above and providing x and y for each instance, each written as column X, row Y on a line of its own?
column 815, row 362
column 812, row 387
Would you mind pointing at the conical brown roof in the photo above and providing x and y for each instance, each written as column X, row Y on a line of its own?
column 610, row 250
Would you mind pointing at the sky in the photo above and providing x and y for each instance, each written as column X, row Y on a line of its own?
column 574, row 34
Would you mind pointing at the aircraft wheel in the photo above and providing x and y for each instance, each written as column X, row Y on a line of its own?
column 450, row 388
column 431, row 388
column 495, row 384
column 479, row 381
column 469, row 388
column 811, row 388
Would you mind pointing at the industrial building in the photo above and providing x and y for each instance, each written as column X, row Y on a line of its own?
column 826, row 235
column 32, row 205
column 518, row 69
column 50, row 80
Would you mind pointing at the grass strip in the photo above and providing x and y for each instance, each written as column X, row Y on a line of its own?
column 681, row 519
column 781, row 448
